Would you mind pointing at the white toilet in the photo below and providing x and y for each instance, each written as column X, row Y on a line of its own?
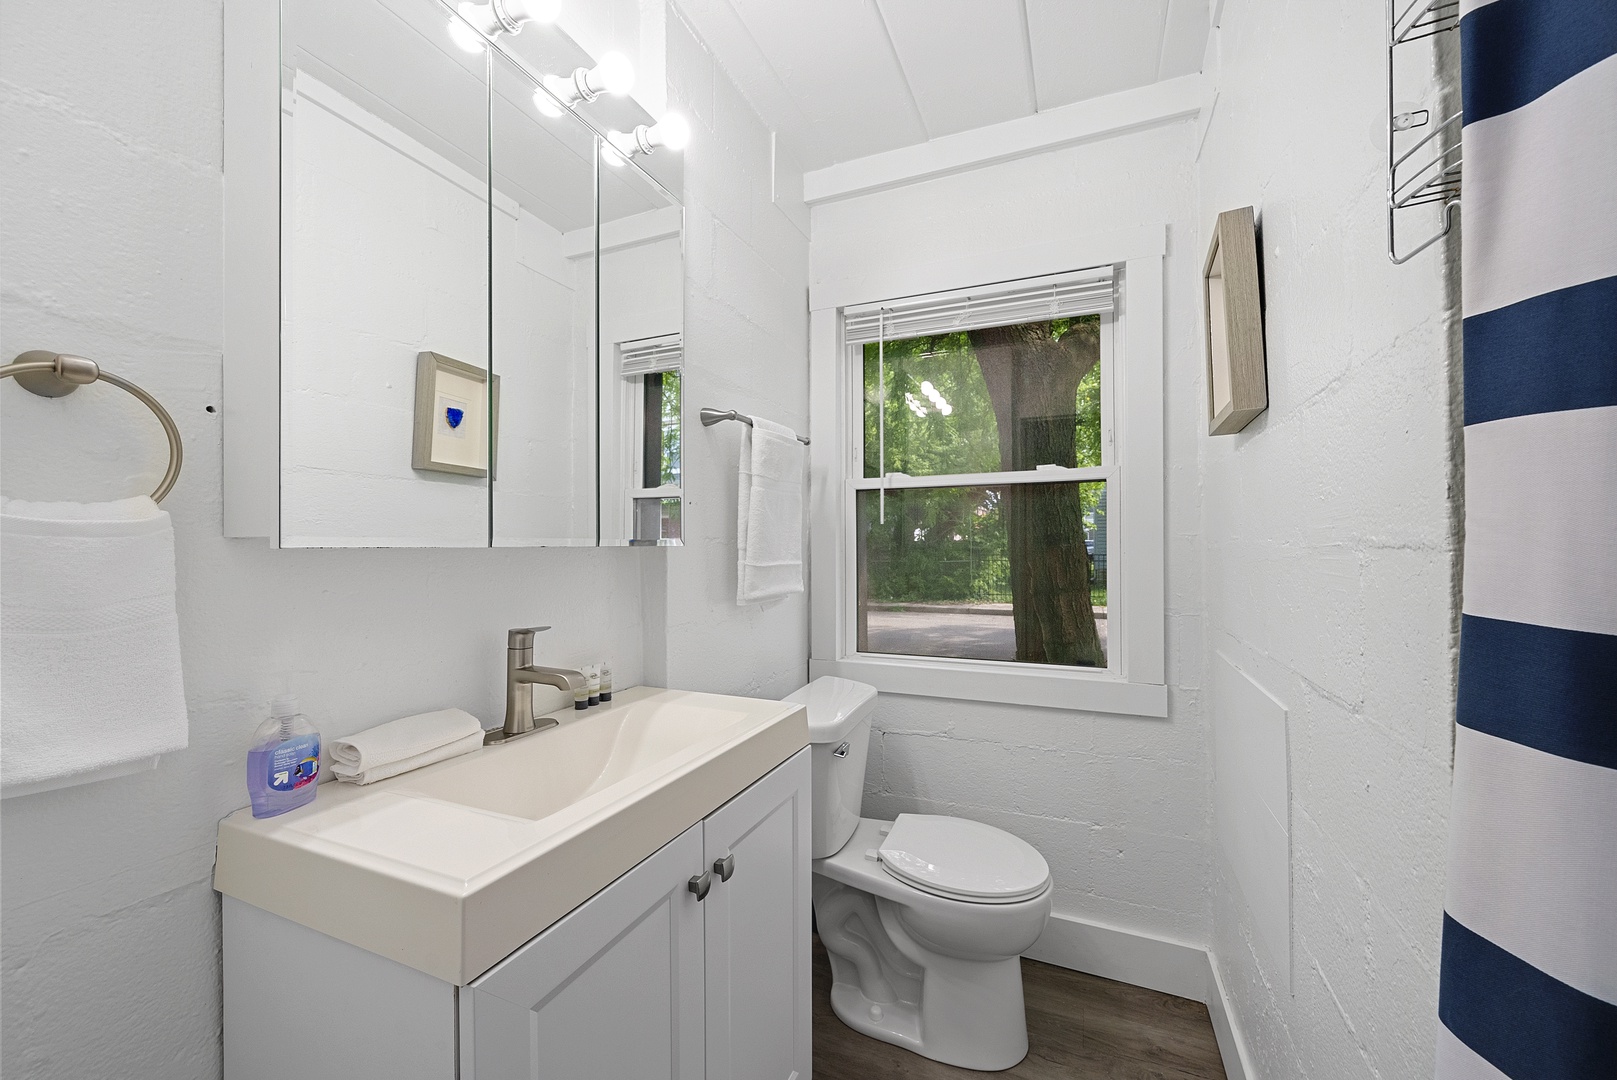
column 925, row 918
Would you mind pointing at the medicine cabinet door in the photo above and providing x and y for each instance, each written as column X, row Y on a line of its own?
column 543, row 316
column 385, row 398
column 642, row 357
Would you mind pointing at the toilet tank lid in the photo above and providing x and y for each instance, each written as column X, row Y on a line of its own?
column 835, row 706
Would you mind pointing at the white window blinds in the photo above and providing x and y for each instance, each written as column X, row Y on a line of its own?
column 646, row 355
column 1060, row 296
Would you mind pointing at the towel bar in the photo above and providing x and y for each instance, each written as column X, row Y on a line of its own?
column 718, row 416
column 51, row 374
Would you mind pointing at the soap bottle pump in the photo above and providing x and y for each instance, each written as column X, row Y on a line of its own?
column 283, row 762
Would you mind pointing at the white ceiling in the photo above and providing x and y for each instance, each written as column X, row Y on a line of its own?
column 842, row 79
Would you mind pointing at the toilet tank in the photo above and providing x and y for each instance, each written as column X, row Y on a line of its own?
column 839, row 730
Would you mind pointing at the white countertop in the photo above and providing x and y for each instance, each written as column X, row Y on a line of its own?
column 451, row 868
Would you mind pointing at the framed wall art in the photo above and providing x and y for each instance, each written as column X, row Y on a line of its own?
column 457, row 410
column 1237, row 383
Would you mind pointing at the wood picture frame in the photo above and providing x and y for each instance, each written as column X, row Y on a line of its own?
column 1237, row 380
column 457, row 416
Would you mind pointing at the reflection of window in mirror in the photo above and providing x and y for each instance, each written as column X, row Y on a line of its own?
column 660, row 452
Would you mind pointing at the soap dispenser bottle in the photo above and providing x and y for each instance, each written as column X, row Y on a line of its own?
column 283, row 763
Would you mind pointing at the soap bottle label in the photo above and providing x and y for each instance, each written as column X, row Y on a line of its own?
column 295, row 763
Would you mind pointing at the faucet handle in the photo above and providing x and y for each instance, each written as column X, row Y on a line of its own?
column 522, row 636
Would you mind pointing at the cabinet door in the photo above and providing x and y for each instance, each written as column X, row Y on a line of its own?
column 758, row 988
column 612, row 990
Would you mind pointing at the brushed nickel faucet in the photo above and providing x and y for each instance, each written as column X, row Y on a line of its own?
column 521, row 675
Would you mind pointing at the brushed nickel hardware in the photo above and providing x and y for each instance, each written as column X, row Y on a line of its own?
column 725, row 867
column 718, row 416
column 521, row 675
column 49, row 374
column 841, row 750
column 699, row 884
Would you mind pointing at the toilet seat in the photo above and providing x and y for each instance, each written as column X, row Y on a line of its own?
column 963, row 860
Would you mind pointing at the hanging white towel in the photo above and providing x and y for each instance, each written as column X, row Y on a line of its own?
column 89, row 641
column 769, row 521
column 401, row 745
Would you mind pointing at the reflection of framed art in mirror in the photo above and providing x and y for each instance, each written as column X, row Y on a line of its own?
column 457, row 416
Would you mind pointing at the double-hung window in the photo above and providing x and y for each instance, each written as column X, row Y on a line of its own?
column 984, row 488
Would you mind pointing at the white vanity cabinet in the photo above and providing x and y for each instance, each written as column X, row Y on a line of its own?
column 756, row 930
column 694, row 963
column 613, row 989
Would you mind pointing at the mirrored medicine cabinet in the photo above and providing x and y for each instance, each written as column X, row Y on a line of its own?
column 479, row 337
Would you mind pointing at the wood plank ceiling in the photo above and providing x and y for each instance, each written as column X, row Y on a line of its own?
column 843, row 79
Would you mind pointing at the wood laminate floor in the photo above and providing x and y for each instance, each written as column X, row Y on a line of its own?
column 1080, row 1027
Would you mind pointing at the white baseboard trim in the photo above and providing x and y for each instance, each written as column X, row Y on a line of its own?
column 1231, row 1047
column 1170, row 967
column 1138, row 959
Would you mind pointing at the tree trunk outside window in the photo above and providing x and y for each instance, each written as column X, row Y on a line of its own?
column 1032, row 373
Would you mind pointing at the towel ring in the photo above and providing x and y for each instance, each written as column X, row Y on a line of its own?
column 51, row 374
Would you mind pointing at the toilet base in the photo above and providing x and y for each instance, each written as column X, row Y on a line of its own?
column 887, row 985
column 973, row 1022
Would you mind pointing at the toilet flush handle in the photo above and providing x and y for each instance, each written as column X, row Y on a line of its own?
column 841, row 751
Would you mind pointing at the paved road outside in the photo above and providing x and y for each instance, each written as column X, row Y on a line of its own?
column 986, row 635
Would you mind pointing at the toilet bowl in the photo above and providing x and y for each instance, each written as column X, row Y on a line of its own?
column 925, row 917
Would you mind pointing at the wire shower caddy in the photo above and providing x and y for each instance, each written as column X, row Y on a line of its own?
column 1428, row 172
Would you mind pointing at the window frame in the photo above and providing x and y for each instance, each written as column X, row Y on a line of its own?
column 1107, row 470
column 1133, row 682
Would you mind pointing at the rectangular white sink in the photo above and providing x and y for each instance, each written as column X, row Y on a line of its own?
column 451, row 868
column 538, row 775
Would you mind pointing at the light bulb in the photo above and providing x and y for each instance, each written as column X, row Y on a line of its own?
column 614, row 74
column 539, row 11
column 610, row 152
column 496, row 17
column 927, row 388
column 672, row 131
column 546, row 105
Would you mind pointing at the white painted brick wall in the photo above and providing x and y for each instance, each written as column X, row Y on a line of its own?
column 746, row 348
column 1328, row 547
column 110, row 215
column 1119, row 806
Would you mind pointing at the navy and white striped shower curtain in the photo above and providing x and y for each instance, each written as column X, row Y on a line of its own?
column 1529, row 958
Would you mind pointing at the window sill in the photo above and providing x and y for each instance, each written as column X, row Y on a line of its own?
column 1003, row 684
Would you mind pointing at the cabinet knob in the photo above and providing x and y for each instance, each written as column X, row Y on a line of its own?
column 725, row 867
column 700, row 884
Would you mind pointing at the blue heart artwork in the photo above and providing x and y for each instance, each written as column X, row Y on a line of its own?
column 454, row 416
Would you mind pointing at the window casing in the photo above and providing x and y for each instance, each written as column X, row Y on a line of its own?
column 1129, row 540
column 974, row 592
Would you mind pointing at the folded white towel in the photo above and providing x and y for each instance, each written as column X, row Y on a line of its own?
column 89, row 641
column 401, row 745
column 769, row 521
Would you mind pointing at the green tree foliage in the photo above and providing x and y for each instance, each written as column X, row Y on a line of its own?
column 1004, row 398
column 672, row 466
